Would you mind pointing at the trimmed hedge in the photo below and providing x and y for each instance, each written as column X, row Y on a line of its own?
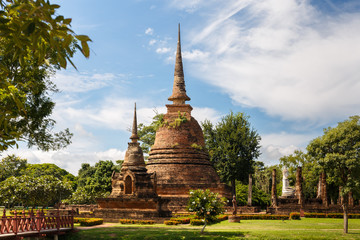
column 331, row 215
column 181, row 220
column 294, row 216
column 335, row 215
column 223, row 217
column 315, row 215
column 135, row 221
column 196, row 222
column 263, row 217
column 89, row 221
column 27, row 211
column 170, row 222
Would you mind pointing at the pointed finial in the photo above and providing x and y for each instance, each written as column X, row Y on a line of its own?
column 179, row 92
column 134, row 137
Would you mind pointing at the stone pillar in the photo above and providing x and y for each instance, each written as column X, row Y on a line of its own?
column 323, row 190
column 250, row 191
column 351, row 200
column 319, row 187
column 298, row 186
column 273, row 189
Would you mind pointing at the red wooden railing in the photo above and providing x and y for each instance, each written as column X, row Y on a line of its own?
column 39, row 223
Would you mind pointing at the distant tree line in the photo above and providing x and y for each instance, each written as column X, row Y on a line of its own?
column 29, row 185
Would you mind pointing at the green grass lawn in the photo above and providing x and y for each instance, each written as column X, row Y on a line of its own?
column 310, row 228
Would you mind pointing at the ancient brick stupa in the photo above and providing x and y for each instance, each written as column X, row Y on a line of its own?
column 178, row 155
column 133, row 188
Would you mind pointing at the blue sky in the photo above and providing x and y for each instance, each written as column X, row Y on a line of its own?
column 291, row 65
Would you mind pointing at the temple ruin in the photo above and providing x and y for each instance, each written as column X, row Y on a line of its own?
column 297, row 203
column 133, row 188
column 178, row 156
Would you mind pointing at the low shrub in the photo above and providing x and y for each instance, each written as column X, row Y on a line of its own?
column 223, row 217
column 127, row 221
column 147, row 222
column 91, row 221
column 294, row 216
column 315, row 215
column 196, row 222
column 134, row 221
column 352, row 215
column 27, row 211
column 170, row 222
column 78, row 220
column 181, row 220
column 334, row 215
column 331, row 215
column 263, row 217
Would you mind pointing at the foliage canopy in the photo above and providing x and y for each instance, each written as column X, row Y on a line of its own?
column 35, row 41
column 338, row 154
column 233, row 147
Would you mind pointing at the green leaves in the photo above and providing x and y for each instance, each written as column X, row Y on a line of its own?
column 338, row 153
column 233, row 146
column 147, row 133
column 34, row 41
column 205, row 204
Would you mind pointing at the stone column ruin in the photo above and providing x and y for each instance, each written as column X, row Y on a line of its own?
column 250, row 191
column 351, row 200
column 298, row 186
column 319, row 186
column 273, row 189
column 323, row 190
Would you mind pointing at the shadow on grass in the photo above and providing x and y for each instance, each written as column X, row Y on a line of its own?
column 149, row 233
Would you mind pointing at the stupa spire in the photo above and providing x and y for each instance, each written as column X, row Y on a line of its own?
column 134, row 137
column 179, row 92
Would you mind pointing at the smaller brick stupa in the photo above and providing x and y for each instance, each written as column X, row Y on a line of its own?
column 133, row 188
column 178, row 156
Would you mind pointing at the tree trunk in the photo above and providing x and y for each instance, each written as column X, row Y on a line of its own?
column 346, row 223
column 250, row 191
column 202, row 230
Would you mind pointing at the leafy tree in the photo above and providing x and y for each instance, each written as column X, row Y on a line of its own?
column 338, row 154
column 38, row 170
column 310, row 171
column 49, row 169
column 263, row 177
column 206, row 205
column 33, row 191
column 101, row 180
column 233, row 147
column 93, row 182
column 147, row 133
column 11, row 166
column 35, row 41
column 259, row 197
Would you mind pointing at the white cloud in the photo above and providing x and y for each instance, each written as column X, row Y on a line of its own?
column 281, row 56
column 189, row 6
column 68, row 159
column 163, row 50
column 112, row 113
column 149, row 31
column 274, row 146
column 195, row 55
column 202, row 114
column 152, row 42
column 82, row 82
